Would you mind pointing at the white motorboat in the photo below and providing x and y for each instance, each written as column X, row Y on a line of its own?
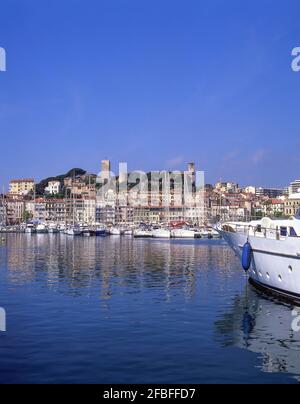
column 52, row 228
column 74, row 231
column 143, row 233
column 182, row 233
column 204, row 233
column 114, row 231
column 212, row 233
column 88, row 232
column 269, row 251
column 128, row 232
column 41, row 228
column 53, row 231
column 62, row 228
column 30, row 229
column 161, row 233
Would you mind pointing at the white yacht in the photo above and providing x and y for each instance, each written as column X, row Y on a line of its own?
column 74, row 231
column 41, row 228
column 142, row 233
column 269, row 251
column 52, row 228
column 182, row 233
column 213, row 233
column 204, row 233
column 30, row 228
column 62, row 228
column 161, row 233
column 114, row 231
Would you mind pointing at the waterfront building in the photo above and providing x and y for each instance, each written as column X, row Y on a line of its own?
column 148, row 215
column 39, row 210
column 55, row 210
column 15, row 211
column 105, row 214
column 29, row 208
column 89, row 210
column 78, row 207
column 124, row 215
column 47, row 210
column 21, row 187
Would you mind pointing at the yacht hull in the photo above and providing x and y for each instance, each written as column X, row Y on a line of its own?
column 275, row 264
column 115, row 232
column 182, row 233
column 73, row 232
column 29, row 231
column 101, row 233
column 161, row 233
column 142, row 234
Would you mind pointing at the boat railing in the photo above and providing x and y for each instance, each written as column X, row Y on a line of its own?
column 257, row 230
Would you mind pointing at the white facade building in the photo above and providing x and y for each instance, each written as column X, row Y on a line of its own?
column 53, row 188
column 89, row 211
column 250, row 190
column 294, row 187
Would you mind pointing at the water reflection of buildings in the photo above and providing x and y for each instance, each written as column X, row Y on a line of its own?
column 262, row 326
column 100, row 265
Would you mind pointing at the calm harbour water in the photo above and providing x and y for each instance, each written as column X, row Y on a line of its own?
column 124, row 310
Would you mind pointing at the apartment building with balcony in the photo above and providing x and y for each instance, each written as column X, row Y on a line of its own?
column 21, row 187
column 15, row 211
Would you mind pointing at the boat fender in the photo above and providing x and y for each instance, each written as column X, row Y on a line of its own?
column 246, row 256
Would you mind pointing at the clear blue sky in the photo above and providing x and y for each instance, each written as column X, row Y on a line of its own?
column 156, row 83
